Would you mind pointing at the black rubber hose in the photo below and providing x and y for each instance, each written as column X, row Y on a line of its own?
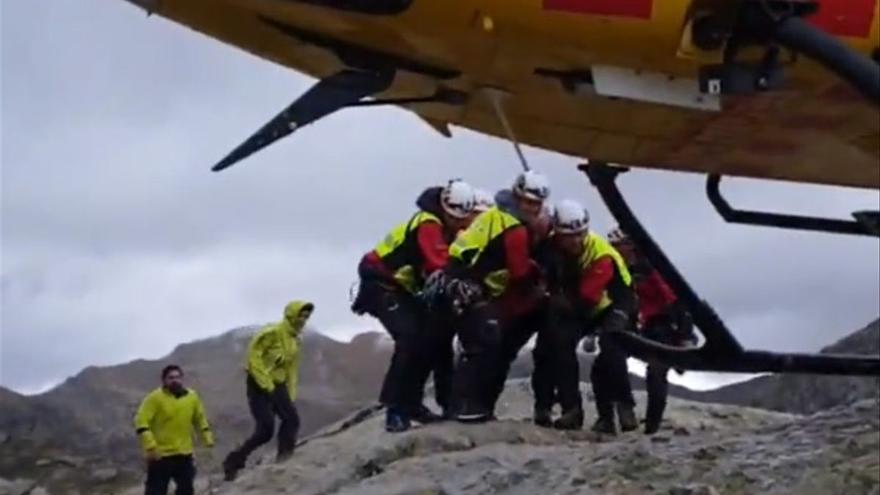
column 860, row 71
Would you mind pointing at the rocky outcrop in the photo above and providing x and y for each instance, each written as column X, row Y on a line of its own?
column 703, row 449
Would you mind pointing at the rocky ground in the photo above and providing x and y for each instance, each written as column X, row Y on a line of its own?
column 704, row 449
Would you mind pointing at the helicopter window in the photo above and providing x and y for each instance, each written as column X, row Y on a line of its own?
column 376, row 7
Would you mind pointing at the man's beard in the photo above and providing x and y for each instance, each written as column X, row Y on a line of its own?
column 176, row 389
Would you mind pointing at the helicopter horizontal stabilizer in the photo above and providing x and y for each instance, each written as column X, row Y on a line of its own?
column 327, row 96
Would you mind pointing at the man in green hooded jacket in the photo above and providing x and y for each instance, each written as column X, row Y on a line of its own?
column 272, row 374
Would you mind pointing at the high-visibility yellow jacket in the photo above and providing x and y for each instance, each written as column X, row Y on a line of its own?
column 399, row 251
column 473, row 245
column 597, row 247
column 165, row 423
column 273, row 354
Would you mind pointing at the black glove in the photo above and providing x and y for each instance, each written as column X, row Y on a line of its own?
column 683, row 324
column 358, row 308
column 434, row 289
column 358, row 305
column 490, row 334
column 616, row 321
column 463, row 293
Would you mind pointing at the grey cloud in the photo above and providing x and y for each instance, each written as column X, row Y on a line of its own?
column 99, row 310
column 119, row 243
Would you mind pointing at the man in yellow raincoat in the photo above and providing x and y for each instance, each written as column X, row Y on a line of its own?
column 165, row 422
column 272, row 373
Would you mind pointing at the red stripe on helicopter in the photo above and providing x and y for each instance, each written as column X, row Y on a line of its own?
column 622, row 8
column 852, row 18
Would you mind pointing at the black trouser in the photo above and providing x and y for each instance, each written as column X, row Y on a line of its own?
column 659, row 329
column 480, row 339
column 544, row 373
column 444, row 368
column 557, row 347
column 404, row 381
column 610, row 373
column 264, row 407
column 422, row 342
column 440, row 334
column 179, row 468
column 514, row 336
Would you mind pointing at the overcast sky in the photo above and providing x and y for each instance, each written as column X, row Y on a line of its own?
column 119, row 243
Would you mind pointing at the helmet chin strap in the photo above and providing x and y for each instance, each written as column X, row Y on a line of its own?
column 495, row 95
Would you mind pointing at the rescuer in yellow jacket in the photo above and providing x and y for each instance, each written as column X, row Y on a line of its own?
column 598, row 288
column 491, row 279
column 164, row 423
column 273, row 358
column 392, row 279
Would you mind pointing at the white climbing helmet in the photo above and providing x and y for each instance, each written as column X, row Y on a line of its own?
column 483, row 200
column 457, row 199
column 532, row 185
column 570, row 217
column 618, row 236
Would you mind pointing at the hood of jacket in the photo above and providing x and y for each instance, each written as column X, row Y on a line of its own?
column 291, row 312
column 429, row 201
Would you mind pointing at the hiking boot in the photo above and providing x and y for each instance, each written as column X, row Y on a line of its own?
column 652, row 425
column 424, row 415
column 626, row 414
column 474, row 418
column 231, row 466
column 283, row 456
column 570, row 420
column 471, row 412
column 543, row 417
column 396, row 421
column 605, row 426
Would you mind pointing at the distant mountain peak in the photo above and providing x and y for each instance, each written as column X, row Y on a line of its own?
column 864, row 341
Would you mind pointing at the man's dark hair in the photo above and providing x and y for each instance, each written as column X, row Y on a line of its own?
column 169, row 369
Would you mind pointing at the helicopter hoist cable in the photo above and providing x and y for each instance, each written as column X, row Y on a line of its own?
column 495, row 96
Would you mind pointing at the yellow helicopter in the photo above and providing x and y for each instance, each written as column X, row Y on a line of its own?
column 767, row 89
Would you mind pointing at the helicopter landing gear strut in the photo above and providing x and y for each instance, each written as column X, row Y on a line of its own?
column 721, row 352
